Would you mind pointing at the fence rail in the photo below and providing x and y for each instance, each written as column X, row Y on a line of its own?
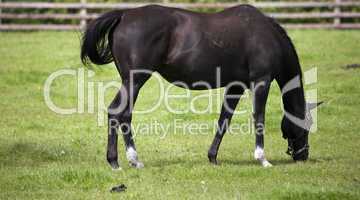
column 334, row 12
column 180, row 5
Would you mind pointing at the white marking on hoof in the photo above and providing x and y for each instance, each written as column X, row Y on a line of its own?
column 136, row 164
column 131, row 154
column 259, row 155
column 266, row 163
column 139, row 165
column 132, row 157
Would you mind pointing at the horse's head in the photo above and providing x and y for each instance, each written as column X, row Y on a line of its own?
column 296, row 131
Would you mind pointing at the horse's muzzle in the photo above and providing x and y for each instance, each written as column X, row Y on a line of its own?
column 301, row 154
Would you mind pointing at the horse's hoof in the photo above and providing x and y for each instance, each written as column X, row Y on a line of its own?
column 116, row 169
column 114, row 165
column 137, row 164
column 266, row 163
column 213, row 161
column 212, row 157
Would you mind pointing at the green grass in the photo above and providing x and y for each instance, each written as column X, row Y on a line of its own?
column 44, row 155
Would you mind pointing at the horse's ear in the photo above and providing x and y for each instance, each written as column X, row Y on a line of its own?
column 311, row 106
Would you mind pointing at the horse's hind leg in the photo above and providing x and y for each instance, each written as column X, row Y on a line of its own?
column 120, row 114
column 231, row 99
column 260, row 92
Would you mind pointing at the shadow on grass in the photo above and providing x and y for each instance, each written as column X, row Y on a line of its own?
column 228, row 162
column 27, row 154
column 203, row 162
column 33, row 154
column 284, row 161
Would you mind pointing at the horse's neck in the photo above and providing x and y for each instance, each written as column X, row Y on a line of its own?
column 294, row 99
column 294, row 102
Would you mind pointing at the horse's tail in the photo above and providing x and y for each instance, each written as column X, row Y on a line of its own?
column 97, row 38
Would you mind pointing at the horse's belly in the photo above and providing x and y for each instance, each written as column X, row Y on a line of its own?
column 202, row 78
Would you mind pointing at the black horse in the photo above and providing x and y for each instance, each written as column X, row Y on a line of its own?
column 242, row 43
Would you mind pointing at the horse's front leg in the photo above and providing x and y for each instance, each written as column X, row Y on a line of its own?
column 120, row 115
column 260, row 93
column 231, row 99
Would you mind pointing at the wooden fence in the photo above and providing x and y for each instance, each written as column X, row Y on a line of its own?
column 334, row 13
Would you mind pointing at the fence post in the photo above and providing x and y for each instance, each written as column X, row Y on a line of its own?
column 83, row 13
column 337, row 11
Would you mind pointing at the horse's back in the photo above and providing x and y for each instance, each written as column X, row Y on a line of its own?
column 240, row 41
column 188, row 46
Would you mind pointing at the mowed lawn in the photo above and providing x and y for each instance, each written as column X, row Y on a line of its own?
column 44, row 155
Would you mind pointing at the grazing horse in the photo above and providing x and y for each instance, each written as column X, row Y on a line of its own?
column 184, row 46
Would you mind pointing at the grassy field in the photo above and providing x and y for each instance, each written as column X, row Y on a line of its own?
column 44, row 155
